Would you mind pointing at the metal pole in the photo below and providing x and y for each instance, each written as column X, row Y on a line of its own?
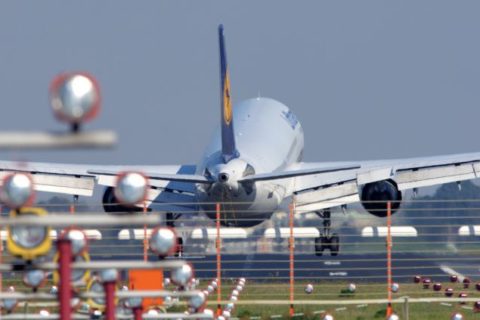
column 291, row 241
column 109, row 288
column 219, row 262
column 64, row 248
column 389, row 258
column 145, row 243
column 137, row 313
column 405, row 309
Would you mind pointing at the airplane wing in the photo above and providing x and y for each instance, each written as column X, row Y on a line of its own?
column 177, row 185
column 331, row 189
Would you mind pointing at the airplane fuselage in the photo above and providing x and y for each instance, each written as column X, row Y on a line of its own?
column 269, row 138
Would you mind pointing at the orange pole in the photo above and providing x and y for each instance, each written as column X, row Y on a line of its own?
column 291, row 249
column 219, row 262
column 145, row 242
column 389, row 258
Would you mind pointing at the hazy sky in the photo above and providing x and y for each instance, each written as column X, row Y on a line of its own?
column 367, row 79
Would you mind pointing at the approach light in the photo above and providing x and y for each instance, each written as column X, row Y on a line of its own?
column 449, row 292
column 239, row 288
column 437, row 286
column 226, row 314
column 214, row 284
column 131, row 188
column 10, row 304
column 53, row 290
column 34, row 278
column 462, row 295
column 233, row 299
column 328, row 316
column 417, row 279
column 235, row 293
column 395, row 287
column 78, row 239
column 309, row 288
column 221, row 318
column 426, row 283
column 28, row 242
column 181, row 276
column 230, row 306
column 108, row 275
column 453, row 278
column 352, row 288
column 457, row 316
column 163, row 241
column 75, row 97
column 393, row 316
column 44, row 313
column 17, row 190
column 166, row 282
column 79, row 276
column 476, row 306
column 210, row 289
column 94, row 285
column 466, row 283
column 133, row 302
column 197, row 301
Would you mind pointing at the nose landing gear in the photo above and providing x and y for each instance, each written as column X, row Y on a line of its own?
column 327, row 239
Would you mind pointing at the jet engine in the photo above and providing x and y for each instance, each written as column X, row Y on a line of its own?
column 111, row 205
column 375, row 196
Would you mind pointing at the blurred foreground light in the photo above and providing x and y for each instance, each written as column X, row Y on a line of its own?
column 44, row 313
column 233, row 299
column 34, row 278
column 393, row 316
column 17, row 190
column 28, row 242
column 230, row 306
column 131, row 188
column 449, row 292
column 163, row 241
column 437, row 286
column 426, row 283
column 181, row 276
column 108, row 275
column 226, row 314
column 197, row 301
column 53, row 290
column 417, row 279
column 457, row 316
column 10, row 304
column 78, row 238
column 75, row 97
column 309, row 288
column 352, row 287
column 328, row 316
column 453, row 278
column 395, row 287
column 239, row 288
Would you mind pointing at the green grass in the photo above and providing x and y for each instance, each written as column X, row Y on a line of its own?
column 333, row 291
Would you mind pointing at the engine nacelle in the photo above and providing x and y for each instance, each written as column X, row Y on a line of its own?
column 375, row 196
column 111, row 205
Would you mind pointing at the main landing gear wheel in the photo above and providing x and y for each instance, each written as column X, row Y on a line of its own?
column 331, row 243
column 327, row 240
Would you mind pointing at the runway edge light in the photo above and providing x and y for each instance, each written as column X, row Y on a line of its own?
column 28, row 242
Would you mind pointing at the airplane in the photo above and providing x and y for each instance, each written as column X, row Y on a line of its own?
column 253, row 167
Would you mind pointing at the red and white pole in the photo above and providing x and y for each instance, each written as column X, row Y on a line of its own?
column 64, row 247
column 109, row 288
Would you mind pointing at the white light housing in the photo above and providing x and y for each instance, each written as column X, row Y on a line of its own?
column 197, row 301
column 352, row 287
column 44, row 313
column 328, row 316
column 393, row 316
column 34, row 278
column 163, row 241
column 108, row 275
column 395, row 287
column 131, row 188
column 17, row 190
column 75, row 97
column 457, row 316
column 309, row 288
column 235, row 293
column 78, row 238
column 181, row 276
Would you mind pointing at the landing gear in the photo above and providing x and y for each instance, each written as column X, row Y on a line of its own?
column 327, row 239
column 170, row 219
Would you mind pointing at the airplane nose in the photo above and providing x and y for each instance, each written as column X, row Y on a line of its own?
column 223, row 177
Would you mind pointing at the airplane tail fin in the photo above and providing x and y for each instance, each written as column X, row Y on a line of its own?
column 229, row 150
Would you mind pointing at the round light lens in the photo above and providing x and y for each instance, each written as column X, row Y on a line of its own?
column 78, row 239
column 17, row 190
column 28, row 236
column 181, row 276
column 163, row 241
column 309, row 288
column 34, row 278
column 131, row 188
column 393, row 316
column 197, row 301
column 75, row 98
column 457, row 316
column 109, row 275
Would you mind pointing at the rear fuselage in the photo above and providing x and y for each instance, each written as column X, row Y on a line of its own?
column 268, row 138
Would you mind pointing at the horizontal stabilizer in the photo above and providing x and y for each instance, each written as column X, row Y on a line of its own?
column 193, row 178
column 295, row 173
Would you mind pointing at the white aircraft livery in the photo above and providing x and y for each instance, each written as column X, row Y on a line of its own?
column 254, row 167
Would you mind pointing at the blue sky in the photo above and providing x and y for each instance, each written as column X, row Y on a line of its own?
column 367, row 79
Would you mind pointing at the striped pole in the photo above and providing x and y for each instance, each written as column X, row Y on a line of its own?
column 389, row 259
column 291, row 249
column 219, row 262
